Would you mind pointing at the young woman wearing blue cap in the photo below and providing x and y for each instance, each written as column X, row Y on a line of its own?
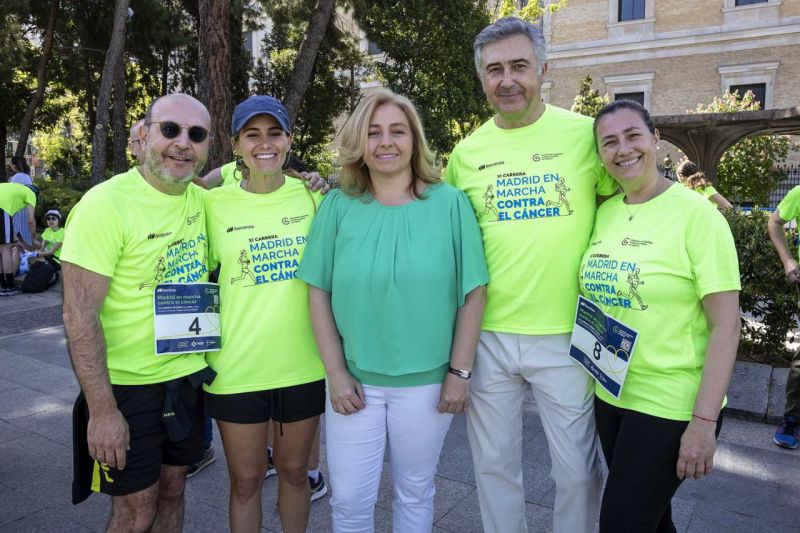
column 269, row 368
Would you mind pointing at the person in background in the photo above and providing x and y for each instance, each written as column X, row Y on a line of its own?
column 788, row 433
column 691, row 176
column 49, row 248
column 396, row 280
column 15, row 199
column 21, row 174
column 135, row 143
column 677, row 287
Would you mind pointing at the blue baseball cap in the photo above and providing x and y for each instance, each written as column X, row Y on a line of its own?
column 259, row 105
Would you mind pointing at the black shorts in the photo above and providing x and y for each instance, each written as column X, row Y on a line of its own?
column 287, row 404
column 6, row 228
column 143, row 407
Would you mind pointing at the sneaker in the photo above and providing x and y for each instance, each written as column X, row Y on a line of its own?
column 786, row 436
column 3, row 292
column 208, row 458
column 12, row 292
column 318, row 487
column 271, row 470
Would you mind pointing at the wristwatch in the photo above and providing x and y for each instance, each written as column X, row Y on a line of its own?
column 463, row 374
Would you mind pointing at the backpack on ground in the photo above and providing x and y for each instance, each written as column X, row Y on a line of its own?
column 40, row 276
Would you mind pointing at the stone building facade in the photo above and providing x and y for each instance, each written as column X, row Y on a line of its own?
column 673, row 54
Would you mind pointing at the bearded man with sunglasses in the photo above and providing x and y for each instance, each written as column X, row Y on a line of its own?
column 138, row 421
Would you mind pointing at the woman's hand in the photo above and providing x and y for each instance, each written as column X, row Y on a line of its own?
column 454, row 397
column 347, row 396
column 698, row 443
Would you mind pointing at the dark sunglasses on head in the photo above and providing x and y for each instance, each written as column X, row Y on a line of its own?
column 170, row 130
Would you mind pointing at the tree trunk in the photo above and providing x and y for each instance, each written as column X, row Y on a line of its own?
column 3, row 141
column 214, row 72
column 306, row 56
column 113, row 56
column 91, row 97
column 164, row 70
column 41, row 80
column 118, row 120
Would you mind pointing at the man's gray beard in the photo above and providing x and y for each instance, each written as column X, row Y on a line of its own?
column 167, row 178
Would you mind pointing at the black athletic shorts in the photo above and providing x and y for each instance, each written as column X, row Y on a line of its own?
column 6, row 228
column 145, row 408
column 287, row 404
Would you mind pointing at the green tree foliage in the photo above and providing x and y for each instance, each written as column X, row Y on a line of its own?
column 746, row 172
column 428, row 58
column 588, row 101
column 62, row 145
column 15, row 53
column 531, row 12
column 334, row 85
column 766, row 295
column 63, row 148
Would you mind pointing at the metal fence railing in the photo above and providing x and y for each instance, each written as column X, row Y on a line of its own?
column 791, row 181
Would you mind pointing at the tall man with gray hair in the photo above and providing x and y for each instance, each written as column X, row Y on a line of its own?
column 538, row 168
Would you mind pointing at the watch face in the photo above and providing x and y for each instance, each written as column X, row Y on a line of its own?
column 461, row 373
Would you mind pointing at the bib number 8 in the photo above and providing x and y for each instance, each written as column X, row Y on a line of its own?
column 597, row 352
column 195, row 326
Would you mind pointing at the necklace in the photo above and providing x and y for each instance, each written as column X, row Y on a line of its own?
column 662, row 185
column 632, row 214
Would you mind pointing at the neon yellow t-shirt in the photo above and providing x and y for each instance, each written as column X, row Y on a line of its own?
column 50, row 238
column 14, row 197
column 708, row 191
column 230, row 176
column 533, row 190
column 127, row 230
column 259, row 239
column 651, row 274
column 789, row 207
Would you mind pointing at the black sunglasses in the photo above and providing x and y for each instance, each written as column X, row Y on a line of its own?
column 51, row 217
column 170, row 130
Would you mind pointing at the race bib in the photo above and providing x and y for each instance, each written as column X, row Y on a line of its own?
column 186, row 318
column 602, row 345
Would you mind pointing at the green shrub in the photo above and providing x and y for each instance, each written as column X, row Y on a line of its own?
column 767, row 296
column 59, row 195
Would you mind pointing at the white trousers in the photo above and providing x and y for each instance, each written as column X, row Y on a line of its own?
column 356, row 443
column 507, row 363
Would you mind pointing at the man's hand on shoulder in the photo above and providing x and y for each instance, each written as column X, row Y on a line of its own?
column 315, row 182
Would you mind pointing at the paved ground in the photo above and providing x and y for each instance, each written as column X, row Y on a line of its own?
column 756, row 486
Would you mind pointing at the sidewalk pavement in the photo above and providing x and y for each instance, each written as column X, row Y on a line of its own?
column 755, row 487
